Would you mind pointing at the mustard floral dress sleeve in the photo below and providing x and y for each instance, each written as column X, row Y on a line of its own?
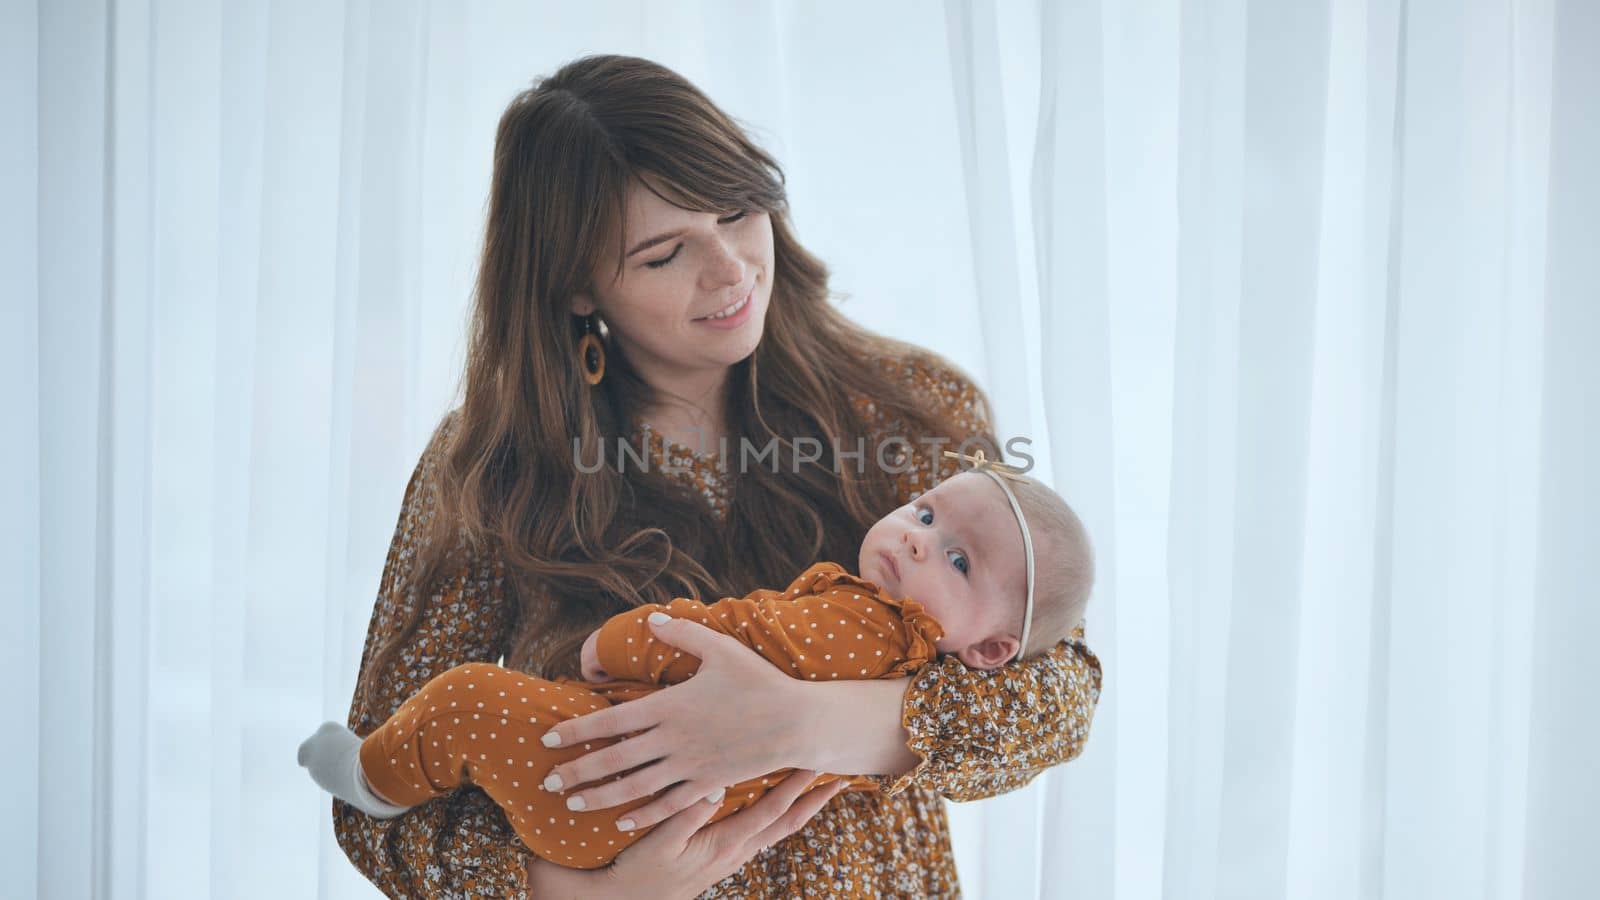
column 978, row 733
column 459, row 845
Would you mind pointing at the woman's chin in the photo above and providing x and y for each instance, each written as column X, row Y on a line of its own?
column 740, row 352
column 743, row 341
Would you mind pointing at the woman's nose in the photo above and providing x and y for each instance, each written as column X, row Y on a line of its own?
column 724, row 267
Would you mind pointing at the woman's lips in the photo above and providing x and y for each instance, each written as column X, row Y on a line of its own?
column 738, row 318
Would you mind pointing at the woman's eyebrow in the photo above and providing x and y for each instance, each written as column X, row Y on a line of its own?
column 647, row 243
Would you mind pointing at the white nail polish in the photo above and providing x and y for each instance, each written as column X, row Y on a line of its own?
column 576, row 803
column 550, row 739
column 657, row 618
column 625, row 825
column 552, row 782
column 717, row 795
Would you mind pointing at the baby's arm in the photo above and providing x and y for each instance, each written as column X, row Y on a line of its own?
column 839, row 633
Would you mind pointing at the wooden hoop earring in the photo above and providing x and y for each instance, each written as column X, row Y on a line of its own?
column 591, row 353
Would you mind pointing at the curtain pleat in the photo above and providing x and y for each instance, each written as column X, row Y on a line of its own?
column 1071, row 237
column 70, row 228
column 21, row 493
column 1563, row 784
column 1295, row 303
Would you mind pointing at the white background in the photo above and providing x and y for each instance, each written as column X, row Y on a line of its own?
column 1297, row 301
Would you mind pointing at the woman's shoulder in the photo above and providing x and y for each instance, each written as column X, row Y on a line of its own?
column 424, row 498
column 424, row 477
column 900, row 359
column 445, row 431
column 946, row 387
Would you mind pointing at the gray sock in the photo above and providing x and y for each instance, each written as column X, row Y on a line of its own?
column 333, row 756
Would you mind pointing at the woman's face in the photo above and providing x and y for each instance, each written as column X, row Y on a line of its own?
column 691, row 297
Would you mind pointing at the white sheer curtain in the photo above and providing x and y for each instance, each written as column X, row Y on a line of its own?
column 1297, row 302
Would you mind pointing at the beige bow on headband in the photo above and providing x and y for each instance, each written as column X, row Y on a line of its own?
column 980, row 461
column 1000, row 472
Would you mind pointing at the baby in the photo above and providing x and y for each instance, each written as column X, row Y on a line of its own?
column 944, row 574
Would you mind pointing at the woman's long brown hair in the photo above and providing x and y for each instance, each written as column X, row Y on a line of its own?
column 580, row 546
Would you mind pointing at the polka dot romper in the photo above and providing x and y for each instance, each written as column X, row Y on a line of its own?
column 481, row 723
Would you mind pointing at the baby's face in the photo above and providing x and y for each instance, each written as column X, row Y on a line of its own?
column 957, row 550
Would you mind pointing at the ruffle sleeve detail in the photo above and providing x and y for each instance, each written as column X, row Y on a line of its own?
column 825, row 576
column 922, row 633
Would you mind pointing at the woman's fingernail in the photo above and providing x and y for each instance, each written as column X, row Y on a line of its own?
column 552, row 782
column 576, row 803
column 657, row 618
column 550, row 739
column 717, row 795
column 625, row 825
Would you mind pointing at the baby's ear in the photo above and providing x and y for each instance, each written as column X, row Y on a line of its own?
column 989, row 653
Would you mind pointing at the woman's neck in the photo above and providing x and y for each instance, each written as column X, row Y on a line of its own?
column 690, row 411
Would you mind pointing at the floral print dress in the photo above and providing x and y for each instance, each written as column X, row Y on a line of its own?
column 977, row 734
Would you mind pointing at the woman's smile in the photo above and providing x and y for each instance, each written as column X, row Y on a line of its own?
column 733, row 315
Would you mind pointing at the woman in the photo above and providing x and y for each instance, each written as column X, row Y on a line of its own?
column 640, row 282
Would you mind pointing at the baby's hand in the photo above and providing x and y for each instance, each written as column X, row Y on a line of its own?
column 589, row 659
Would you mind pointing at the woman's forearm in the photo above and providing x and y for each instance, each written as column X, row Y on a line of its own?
column 853, row 727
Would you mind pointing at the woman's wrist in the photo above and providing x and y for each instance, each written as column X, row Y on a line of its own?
column 548, row 880
column 854, row 727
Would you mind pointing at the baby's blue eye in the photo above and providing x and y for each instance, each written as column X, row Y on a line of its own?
column 925, row 516
column 959, row 560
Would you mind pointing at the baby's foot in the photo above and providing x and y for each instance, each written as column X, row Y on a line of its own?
column 333, row 757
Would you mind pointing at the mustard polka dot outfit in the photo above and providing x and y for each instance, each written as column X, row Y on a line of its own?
column 482, row 724
column 976, row 733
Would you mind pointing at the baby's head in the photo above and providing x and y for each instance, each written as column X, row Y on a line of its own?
column 957, row 550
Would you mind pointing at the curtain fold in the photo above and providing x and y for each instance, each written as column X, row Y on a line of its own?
column 1563, row 786
column 20, row 382
column 1295, row 302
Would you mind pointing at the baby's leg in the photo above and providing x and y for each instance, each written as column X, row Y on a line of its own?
column 481, row 723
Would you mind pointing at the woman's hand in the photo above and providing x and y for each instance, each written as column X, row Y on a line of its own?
column 681, row 858
column 589, row 660
column 739, row 717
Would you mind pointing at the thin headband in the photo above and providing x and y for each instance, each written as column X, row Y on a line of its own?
column 999, row 471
